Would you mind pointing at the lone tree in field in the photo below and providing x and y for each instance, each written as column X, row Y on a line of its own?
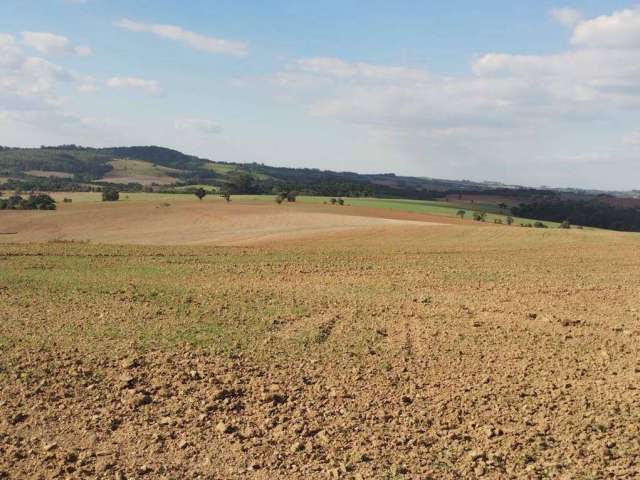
column 226, row 194
column 110, row 195
column 509, row 220
column 479, row 216
column 461, row 214
column 200, row 193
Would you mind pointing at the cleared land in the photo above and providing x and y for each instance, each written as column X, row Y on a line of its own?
column 182, row 220
column 439, row 351
column 138, row 171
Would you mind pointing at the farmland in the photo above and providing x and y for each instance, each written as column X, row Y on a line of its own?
column 340, row 342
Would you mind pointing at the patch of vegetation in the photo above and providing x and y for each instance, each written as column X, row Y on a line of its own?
column 110, row 195
column 33, row 202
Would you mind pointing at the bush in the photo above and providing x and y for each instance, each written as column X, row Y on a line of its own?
column 565, row 224
column 34, row 202
column 291, row 196
column 509, row 220
column 333, row 201
column 110, row 195
column 41, row 201
column 479, row 216
column 279, row 199
column 340, row 201
column 498, row 220
column 67, row 200
column 539, row 225
column 200, row 193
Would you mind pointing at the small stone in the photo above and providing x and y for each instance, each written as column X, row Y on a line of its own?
column 126, row 381
column 130, row 363
column 222, row 427
column 477, row 455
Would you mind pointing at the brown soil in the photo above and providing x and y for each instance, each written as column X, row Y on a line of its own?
column 193, row 222
column 446, row 352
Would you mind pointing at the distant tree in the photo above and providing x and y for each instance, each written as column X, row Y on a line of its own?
column 200, row 193
column 333, row 201
column 509, row 220
column 565, row 224
column 479, row 216
column 461, row 214
column 40, row 201
column 340, row 201
column 225, row 193
column 110, row 195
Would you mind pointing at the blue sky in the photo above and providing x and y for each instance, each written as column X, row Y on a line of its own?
column 535, row 93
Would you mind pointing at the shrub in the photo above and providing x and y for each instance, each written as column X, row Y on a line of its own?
column 67, row 200
column 110, row 195
column 40, row 201
column 565, row 224
column 278, row 199
column 340, row 201
column 509, row 220
column 498, row 220
column 333, row 201
column 291, row 196
column 539, row 225
column 461, row 214
column 479, row 216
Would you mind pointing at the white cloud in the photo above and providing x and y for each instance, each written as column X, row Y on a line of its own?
column 194, row 40
column 621, row 29
column 632, row 139
column 500, row 120
column 197, row 125
column 52, row 44
column 568, row 17
column 148, row 86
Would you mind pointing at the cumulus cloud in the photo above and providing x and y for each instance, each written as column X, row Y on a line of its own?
column 621, row 29
column 495, row 115
column 191, row 39
column 200, row 125
column 52, row 44
column 149, row 86
column 568, row 17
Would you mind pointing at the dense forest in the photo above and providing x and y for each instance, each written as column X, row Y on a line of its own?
column 593, row 213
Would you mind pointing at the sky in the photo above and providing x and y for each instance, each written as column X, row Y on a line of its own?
column 530, row 93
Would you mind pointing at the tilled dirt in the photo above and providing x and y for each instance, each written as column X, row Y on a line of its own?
column 447, row 352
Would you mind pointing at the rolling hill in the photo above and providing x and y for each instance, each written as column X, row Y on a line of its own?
column 159, row 169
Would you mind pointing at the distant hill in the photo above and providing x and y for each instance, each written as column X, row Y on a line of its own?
column 79, row 167
column 153, row 168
